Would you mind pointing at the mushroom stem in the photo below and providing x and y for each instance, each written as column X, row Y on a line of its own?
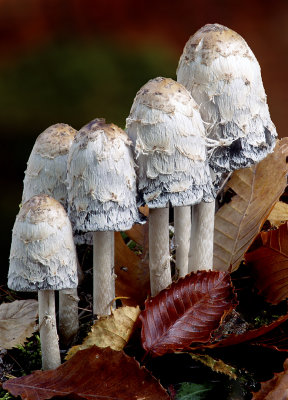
column 68, row 315
column 103, row 272
column 202, row 236
column 48, row 332
column 182, row 232
column 159, row 255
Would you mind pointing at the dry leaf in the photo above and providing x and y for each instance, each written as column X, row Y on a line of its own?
column 276, row 388
column 215, row 365
column 17, row 322
column 133, row 280
column 113, row 331
column 91, row 374
column 248, row 336
column 187, row 312
column 279, row 214
column 256, row 191
column 269, row 264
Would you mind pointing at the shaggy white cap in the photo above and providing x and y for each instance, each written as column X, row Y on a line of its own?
column 47, row 165
column 42, row 255
column 101, row 179
column 169, row 138
column 224, row 77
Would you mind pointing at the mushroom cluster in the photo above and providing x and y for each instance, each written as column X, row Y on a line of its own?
column 224, row 77
column 181, row 140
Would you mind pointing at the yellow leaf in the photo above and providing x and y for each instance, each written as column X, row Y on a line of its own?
column 279, row 214
column 215, row 364
column 113, row 331
column 256, row 190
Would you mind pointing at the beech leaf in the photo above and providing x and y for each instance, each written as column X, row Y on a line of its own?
column 279, row 214
column 93, row 373
column 248, row 336
column 276, row 388
column 133, row 280
column 256, row 191
column 269, row 264
column 17, row 322
column 112, row 331
column 188, row 311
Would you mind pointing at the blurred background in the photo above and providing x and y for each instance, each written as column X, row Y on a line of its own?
column 73, row 60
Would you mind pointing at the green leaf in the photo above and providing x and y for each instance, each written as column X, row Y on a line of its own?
column 193, row 391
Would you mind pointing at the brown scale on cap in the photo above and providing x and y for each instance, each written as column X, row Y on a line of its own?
column 42, row 208
column 55, row 141
column 215, row 40
column 97, row 126
column 162, row 94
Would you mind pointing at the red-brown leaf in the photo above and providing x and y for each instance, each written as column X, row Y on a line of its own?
column 276, row 388
column 249, row 335
column 132, row 270
column 269, row 263
column 187, row 312
column 91, row 374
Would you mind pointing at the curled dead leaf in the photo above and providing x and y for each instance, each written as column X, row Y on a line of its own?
column 17, row 322
column 112, row 331
column 131, row 267
column 268, row 261
column 91, row 374
column 276, row 388
column 255, row 190
column 279, row 214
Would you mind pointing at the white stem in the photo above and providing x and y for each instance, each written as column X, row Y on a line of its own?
column 48, row 331
column 159, row 254
column 103, row 272
column 182, row 231
column 202, row 236
column 68, row 315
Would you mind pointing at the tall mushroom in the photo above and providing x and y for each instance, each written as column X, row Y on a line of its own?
column 46, row 174
column 102, row 198
column 43, row 258
column 168, row 134
column 223, row 76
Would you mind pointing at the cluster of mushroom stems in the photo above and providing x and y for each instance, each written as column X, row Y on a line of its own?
column 181, row 139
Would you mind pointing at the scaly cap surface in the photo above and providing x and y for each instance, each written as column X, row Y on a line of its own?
column 42, row 255
column 223, row 76
column 169, row 138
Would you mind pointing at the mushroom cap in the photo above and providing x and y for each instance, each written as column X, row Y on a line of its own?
column 42, row 255
column 47, row 165
column 169, row 138
column 101, row 179
column 224, row 77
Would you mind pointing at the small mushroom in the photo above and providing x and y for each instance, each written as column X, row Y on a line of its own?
column 46, row 174
column 223, row 76
column 47, row 165
column 43, row 258
column 169, row 138
column 102, row 198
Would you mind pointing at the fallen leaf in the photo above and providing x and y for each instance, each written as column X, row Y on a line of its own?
column 279, row 214
column 276, row 388
column 215, row 365
column 248, row 336
column 277, row 339
column 93, row 373
column 188, row 311
column 269, row 264
column 112, row 331
column 17, row 322
column 256, row 191
column 132, row 270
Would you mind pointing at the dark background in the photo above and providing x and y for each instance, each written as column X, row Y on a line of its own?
column 73, row 60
